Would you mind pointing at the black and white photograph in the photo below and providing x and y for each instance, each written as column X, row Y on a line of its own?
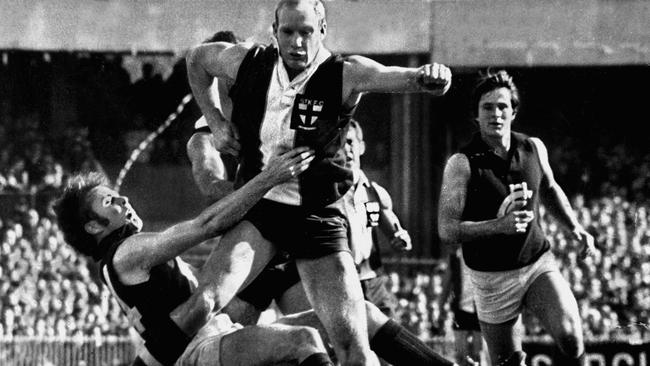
column 324, row 182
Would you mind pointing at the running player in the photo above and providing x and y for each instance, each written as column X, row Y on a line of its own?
column 490, row 200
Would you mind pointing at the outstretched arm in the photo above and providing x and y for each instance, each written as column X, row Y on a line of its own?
column 451, row 227
column 557, row 203
column 361, row 74
column 143, row 251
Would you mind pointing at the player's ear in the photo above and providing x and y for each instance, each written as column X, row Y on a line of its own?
column 323, row 28
column 362, row 147
column 93, row 227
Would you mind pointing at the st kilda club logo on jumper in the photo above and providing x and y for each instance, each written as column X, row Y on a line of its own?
column 306, row 112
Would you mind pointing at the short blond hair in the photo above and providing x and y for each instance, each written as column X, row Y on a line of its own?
column 319, row 8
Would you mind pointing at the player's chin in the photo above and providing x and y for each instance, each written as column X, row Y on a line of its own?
column 297, row 64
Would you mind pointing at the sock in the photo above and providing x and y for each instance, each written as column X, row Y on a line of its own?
column 398, row 346
column 317, row 359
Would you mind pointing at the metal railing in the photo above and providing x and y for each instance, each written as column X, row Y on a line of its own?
column 66, row 351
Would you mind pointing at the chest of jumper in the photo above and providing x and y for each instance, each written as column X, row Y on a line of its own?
column 363, row 207
column 492, row 179
column 303, row 113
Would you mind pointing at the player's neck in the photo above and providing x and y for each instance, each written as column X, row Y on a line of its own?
column 356, row 176
column 103, row 234
column 292, row 73
column 500, row 145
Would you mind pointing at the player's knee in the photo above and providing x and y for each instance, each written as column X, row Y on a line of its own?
column 376, row 319
column 571, row 344
column 307, row 341
column 200, row 304
column 570, row 338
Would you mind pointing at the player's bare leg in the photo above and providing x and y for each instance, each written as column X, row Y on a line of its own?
column 391, row 341
column 239, row 257
column 333, row 288
column 552, row 301
column 503, row 339
column 273, row 344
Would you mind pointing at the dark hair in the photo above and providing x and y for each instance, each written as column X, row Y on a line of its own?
column 491, row 81
column 73, row 210
column 222, row 36
column 319, row 9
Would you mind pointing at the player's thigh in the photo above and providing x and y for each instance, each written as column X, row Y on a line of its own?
column 242, row 248
column 376, row 291
column 294, row 300
column 331, row 275
column 550, row 298
column 502, row 339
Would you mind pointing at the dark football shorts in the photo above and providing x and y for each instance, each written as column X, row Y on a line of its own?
column 204, row 129
column 377, row 292
column 302, row 234
column 271, row 283
column 466, row 321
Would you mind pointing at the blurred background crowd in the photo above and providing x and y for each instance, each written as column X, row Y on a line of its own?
column 49, row 290
column 82, row 83
column 612, row 288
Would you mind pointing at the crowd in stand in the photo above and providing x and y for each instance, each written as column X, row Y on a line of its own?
column 49, row 290
column 612, row 288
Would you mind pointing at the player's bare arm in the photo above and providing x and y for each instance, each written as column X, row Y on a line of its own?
column 389, row 222
column 361, row 74
column 207, row 167
column 556, row 202
column 206, row 62
column 141, row 252
column 452, row 203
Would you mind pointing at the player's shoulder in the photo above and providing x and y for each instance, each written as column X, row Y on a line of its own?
column 237, row 51
column 458, row 160
column 232, row 57
column 377, row 187
column 355, row 59
column 130, row 251
column 458, row 168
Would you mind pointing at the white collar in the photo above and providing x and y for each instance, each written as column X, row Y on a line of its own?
column 283, row 76
column 360, row 178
